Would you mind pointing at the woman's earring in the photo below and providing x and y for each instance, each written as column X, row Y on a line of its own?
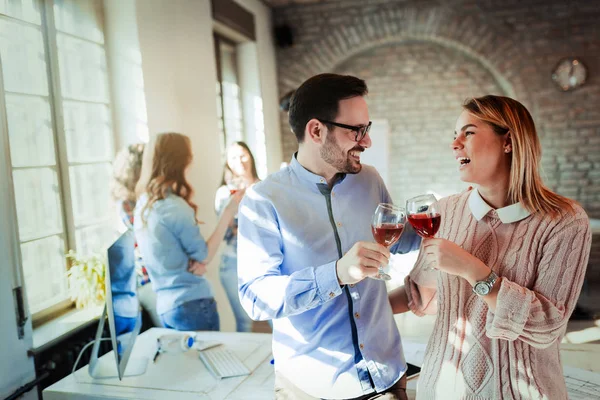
column 507, row 150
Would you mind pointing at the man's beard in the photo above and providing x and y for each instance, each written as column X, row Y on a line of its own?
column 334, row 156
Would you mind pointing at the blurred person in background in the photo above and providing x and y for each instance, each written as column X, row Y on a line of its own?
column 239, row 172
column 169, row 238
column 126, row 173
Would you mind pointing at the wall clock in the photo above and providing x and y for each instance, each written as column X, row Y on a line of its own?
column 569, row 74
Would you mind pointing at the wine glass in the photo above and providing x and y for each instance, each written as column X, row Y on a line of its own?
column 236, row 183
column 387, row 226
column 424, row 216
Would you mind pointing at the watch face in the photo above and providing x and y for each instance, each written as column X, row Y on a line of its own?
column 569, row 73
column 481, row 288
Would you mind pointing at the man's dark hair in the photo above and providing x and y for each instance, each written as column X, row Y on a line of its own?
column 319, row 97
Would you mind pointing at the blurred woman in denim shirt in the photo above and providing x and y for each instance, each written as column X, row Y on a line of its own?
column 126, row 173
column 239, row 172
column 168, row 235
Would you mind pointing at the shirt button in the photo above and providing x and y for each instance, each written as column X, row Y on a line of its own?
column 331, row 294
column 362, row 346
column 339, row 224
column 357, row 315
column 352, row 285
column 322, row 180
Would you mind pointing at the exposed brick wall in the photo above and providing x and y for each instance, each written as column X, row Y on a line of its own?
column 457, row 49
column 419, row 87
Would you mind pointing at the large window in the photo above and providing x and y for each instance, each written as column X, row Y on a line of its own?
column 229, row 96
column 239, row 103
column 60, row 137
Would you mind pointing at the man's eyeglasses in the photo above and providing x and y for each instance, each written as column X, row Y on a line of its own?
column 360, row 131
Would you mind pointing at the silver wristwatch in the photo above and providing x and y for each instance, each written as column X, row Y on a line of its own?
column 484, row 287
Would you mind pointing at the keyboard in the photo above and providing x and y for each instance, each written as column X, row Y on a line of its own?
column 222, row 363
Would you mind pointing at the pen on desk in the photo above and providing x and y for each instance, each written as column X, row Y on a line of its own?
column 157, row 350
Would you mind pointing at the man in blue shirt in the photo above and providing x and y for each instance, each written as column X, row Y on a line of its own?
column 306, row 254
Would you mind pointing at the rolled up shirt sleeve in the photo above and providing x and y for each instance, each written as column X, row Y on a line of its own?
column 266, row 293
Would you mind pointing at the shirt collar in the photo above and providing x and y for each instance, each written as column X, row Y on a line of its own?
column 509, row 214
column 308, row 176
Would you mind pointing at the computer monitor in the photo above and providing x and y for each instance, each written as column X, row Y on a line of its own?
column 122, row 309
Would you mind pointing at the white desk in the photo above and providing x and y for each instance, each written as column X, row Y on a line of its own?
column 253, row 348
column 178, row 375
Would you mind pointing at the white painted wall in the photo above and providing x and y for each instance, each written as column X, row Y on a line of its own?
column 247, row 60
column 130, row 120
column 267, row 71
column 378, row 154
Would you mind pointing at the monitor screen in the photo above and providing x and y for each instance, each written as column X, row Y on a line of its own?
column 122, row 307
column 123, row 292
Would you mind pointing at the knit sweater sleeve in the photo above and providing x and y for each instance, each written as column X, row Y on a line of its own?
column 421, row 289
column 421, row 285
column 538, row 315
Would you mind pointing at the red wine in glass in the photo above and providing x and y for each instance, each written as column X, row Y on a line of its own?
column 426, row 225
column 424, row 216
column 387, row 226
column 387, row 234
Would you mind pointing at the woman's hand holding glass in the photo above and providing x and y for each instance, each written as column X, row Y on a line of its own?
column 387, row 226
column 424, row 216
column 448, row 257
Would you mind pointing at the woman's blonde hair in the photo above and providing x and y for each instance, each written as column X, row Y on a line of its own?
column 509, row 117
column 126, row 172
column 171, row 155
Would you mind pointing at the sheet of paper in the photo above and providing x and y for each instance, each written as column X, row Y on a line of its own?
column 582, row 384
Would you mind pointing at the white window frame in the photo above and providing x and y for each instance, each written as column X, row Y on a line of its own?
column 55, row 98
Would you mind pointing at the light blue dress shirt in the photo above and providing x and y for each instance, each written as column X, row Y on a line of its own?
column 167, row 241
column 332, row 342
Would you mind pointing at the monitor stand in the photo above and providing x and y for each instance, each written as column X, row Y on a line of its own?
column 106, row 367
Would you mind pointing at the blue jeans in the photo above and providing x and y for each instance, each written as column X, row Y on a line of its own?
column 125, row 324
column 229, row 280
column 195, row 315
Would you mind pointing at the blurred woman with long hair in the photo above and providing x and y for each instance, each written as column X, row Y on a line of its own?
column 168, row 235
column 239, row 172
column 126, row 173
column 510, row 256
column 127, row 167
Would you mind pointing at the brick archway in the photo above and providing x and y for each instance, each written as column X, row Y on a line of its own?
column 473, row 36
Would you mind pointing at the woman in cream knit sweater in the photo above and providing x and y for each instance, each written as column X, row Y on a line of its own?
column 505, row 269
